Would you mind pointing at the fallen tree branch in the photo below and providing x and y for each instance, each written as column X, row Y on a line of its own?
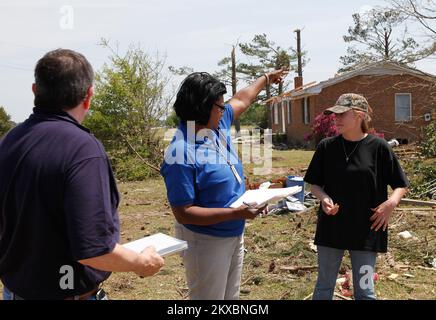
column 308, row 297
column 412, row 209
column 422, row 214
column 426, row 268
column 296, row 268
column 140, row 157
column 247, row 281
column 418, row 202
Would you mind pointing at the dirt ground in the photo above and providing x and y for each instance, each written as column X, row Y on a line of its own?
column 274, row 243
column 277, row 246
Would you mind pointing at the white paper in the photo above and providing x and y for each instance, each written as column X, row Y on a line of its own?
column 292, row 199
column 265, row 185
column 260, row 197
column 164, row 244
column 295, row 206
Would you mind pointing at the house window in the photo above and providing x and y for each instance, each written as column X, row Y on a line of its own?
column 305, row 110
column 403, row 107
column 282, row 104
column 289, row 111
column 285, row 109
column 276, row 114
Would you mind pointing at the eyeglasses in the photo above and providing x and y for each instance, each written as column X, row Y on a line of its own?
column 222, row 108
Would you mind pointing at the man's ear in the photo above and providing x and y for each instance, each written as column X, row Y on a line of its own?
column 34, row 88
column 87, row 101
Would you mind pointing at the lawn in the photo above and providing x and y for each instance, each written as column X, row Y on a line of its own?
column 274, row 243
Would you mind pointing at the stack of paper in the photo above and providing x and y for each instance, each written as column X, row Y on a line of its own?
column 260, row 197
column 165, row 245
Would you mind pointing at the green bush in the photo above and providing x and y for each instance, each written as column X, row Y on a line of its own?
column 5, row 121
column 129, row 104
column 421, row 175
column 172, row 120
column 131, row 168
column 255, row 115
column 279, row 138
column 428, row 145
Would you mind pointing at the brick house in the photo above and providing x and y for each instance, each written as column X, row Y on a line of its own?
column 403, row 100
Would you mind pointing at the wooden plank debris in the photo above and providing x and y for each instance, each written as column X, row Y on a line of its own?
column 419, row 202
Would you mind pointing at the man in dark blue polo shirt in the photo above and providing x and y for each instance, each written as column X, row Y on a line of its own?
column 59, row 226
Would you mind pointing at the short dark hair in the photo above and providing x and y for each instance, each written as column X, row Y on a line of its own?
column 62, row 79
column 196, row 97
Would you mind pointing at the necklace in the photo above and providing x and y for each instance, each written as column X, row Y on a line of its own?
column 347, row 156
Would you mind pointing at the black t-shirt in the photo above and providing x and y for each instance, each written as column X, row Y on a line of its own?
column 58, row 205
column 356, row 186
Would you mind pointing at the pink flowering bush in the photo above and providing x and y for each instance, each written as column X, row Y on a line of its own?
column 322, row 127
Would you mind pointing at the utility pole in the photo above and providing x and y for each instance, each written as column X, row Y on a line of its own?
column 237, row 122
column 300, row 65
column 233, row 71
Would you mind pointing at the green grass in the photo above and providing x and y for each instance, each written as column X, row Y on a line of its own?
column 272, row 242
column 282, row 240
column 288, row 162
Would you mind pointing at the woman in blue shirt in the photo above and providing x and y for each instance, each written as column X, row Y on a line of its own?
column 204, row 176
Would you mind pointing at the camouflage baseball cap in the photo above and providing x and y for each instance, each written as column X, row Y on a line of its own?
column 347, row 102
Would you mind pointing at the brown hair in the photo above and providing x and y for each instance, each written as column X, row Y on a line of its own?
column 62, row 79
column 365, row 125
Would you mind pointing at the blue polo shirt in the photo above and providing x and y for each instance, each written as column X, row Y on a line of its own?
column 58, row 205
column 197, row 173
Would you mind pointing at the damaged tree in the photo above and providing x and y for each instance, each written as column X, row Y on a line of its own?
column 382, row 34
column 127, row 107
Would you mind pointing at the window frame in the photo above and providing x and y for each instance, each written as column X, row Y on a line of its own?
column 410, row 106
column 276, row 114
column 289, row 112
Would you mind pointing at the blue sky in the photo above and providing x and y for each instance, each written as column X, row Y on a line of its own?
column 190, row 32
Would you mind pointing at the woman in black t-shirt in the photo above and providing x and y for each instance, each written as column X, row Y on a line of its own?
column 349, row 174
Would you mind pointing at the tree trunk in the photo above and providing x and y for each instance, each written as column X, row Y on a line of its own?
column 386, row 46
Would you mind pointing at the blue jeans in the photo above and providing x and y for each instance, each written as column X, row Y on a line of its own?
column 329, row 262
column 7, row 295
